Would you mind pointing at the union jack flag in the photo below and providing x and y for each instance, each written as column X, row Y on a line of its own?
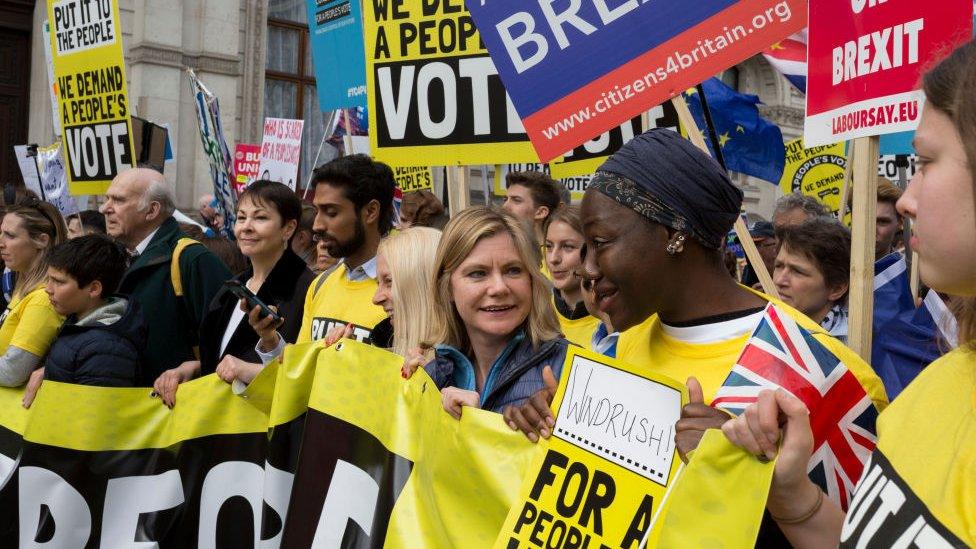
column 789, row 57
column 781, row 354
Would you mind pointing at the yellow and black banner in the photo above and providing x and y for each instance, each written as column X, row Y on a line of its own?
column 332, row 448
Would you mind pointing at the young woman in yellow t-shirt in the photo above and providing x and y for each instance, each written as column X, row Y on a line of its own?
column 919, row 488
column 563, row 242
column 29, row 324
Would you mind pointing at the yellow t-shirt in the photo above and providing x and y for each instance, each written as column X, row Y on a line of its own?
column 919, row 489
column 712, row 362
column 578, row 331
column 30, row 323
column 338, row 301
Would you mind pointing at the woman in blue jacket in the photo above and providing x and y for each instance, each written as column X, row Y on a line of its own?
column 494, row 331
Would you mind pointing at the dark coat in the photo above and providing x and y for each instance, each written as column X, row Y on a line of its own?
column 285, row 288
column 517, row 379
column 173, row 323
column 96, row 353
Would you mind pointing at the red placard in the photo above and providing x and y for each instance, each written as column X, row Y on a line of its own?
column 865, row 60
column 247, row 158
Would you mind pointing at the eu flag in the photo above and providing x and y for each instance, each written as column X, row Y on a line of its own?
column 750, row 144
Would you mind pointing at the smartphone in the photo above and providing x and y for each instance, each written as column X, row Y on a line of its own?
column 241, row 292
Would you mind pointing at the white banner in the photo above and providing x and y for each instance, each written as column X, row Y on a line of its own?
column 281, row 149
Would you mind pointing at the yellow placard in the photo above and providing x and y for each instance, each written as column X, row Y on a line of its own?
column 413, row 178
column 434, row 93
column 601, row 478
column 576, row 185
column 816, row 172
column 89, row 72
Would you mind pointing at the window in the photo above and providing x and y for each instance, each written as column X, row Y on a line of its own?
column 289, row 84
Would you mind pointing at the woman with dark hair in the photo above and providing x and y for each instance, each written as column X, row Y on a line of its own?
column 812, row 271
column 920, row 488
column 267, row 216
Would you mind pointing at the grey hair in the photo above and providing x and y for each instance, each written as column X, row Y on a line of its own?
column 796, row 200
column 159, row 191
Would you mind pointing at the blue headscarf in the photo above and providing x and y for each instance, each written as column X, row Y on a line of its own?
column 666, row 179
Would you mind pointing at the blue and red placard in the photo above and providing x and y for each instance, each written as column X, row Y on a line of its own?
column 576, row 68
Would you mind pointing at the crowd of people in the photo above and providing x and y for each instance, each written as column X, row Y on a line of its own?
column 489, row 302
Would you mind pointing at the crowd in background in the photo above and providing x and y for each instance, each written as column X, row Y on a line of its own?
column 489, row 301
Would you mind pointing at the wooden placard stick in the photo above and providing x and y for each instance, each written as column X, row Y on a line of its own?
column 863, row 226
column 457, row 189
column 846, row 188
column 765, row 279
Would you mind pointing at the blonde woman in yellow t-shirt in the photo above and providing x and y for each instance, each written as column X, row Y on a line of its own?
column 29, row 324
column 919, row 487
column 562, row 246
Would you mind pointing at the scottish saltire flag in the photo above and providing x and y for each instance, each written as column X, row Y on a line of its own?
column 892, row 290
column 789, row 57
column 908, row 343
column 781, row 354
column 750, row 144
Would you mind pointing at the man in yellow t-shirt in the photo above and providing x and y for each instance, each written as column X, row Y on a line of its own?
column 354, row 210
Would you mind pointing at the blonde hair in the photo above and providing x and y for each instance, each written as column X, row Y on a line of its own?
column 410, row 255
column 38, row 218
column 461, row 235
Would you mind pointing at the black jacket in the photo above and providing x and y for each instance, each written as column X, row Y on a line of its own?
column 103, row 350
column 173, row 323
column 285, row 288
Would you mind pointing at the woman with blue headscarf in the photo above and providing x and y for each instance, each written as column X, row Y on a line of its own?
column 655, row 218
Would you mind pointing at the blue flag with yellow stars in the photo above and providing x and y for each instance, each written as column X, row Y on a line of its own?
column 750, row 144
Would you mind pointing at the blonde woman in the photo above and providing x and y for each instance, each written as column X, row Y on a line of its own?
column 496, row 337
column 30, row 323
column 404, row 270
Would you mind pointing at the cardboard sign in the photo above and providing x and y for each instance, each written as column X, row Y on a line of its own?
column 576, row 184
column 865, row 58
column 247, row 160
column 816, row 172
column 215, row 147
column 585, row 159
column 576, row 69
column 600, row 479
column 281, row 149
column 335, row 32
column 413, row 179
column 86, row 47
column 434, row 93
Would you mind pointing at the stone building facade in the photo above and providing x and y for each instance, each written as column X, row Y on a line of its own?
column 254, row 55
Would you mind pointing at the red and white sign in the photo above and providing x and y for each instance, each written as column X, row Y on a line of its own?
column 865, row 60
column 281, row 149
column 247, row 159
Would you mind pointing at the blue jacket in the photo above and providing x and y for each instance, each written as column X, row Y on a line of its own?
column 514, row 377
column 103, row 348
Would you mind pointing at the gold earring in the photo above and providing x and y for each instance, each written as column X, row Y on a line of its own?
column 676, row 246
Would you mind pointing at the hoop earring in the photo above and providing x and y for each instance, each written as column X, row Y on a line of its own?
column 676, row 246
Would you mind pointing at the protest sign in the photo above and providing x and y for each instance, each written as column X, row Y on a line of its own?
column 335, row 33
column 600, row 479
column 51, row 82
column 575, row 184
column 586, row 158
column 43, row 172
column 215, row 147
column 434, row 93
column 86, row 47
column 281, row 149
column 579, row 69
column 413, row 179
column 817, row 172
column 247, row 159
column 865, row 59
column 888, row 167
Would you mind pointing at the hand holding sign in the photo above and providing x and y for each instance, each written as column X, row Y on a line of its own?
column 534, row 416
column 696, row 416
